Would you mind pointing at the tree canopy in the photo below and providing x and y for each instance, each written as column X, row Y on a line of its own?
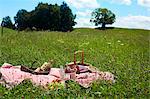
column 102, row 16
column 6, row 22
column 46, row 17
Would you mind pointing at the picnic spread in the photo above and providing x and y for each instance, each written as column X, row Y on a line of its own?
column 82, row 73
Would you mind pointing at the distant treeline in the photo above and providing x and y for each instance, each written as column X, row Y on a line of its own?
column 45, row 17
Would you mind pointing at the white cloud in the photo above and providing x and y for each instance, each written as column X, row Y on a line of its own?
column 126, row 2
column 83, row 3
column 140, row 22
column 84, row 13
column 145, row 3
column 84, row 22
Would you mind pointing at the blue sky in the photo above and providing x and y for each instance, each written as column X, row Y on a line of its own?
column 129, row 13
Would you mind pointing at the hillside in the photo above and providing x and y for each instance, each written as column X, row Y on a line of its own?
column 124, row 52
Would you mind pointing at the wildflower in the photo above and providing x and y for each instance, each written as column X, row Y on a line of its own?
column 109, row 43
column 118, row 41
column 122, row 44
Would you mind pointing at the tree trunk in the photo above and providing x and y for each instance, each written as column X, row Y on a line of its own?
column 103, row 25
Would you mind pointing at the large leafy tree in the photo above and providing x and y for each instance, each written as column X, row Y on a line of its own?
column 46, row 17
column 6, row 22
column 22, row 19
column 67, row 18
column 40, row 16
column 54, row 17
column 102, row 16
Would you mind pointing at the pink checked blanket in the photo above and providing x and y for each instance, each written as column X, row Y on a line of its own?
column 12, row 76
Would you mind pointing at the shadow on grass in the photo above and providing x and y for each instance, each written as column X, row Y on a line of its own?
column 106, row 28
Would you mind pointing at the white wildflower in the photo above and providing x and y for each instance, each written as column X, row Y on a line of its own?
column 109, row 43
column 122, row 44
column 118, row 41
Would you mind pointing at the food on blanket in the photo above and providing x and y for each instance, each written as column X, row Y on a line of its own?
column 31, row 70
column 43, row 70
column 12, row 76
column 70, row 68
column 45, row 67
column 82, row 73
column 73, row 75
column 78, row 68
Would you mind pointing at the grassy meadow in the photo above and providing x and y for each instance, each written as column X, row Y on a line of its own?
column 124, row 52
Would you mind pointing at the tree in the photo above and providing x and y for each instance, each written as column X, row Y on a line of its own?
column 40, row 16
column 6, row 22
column 54, row 21
column 67, row 18
column 102, row 16
column 22, row 19
column 46, row 17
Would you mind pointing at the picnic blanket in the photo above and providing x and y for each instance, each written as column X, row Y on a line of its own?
column 12, row 76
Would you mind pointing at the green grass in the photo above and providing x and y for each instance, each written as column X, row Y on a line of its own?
column 124, row 52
